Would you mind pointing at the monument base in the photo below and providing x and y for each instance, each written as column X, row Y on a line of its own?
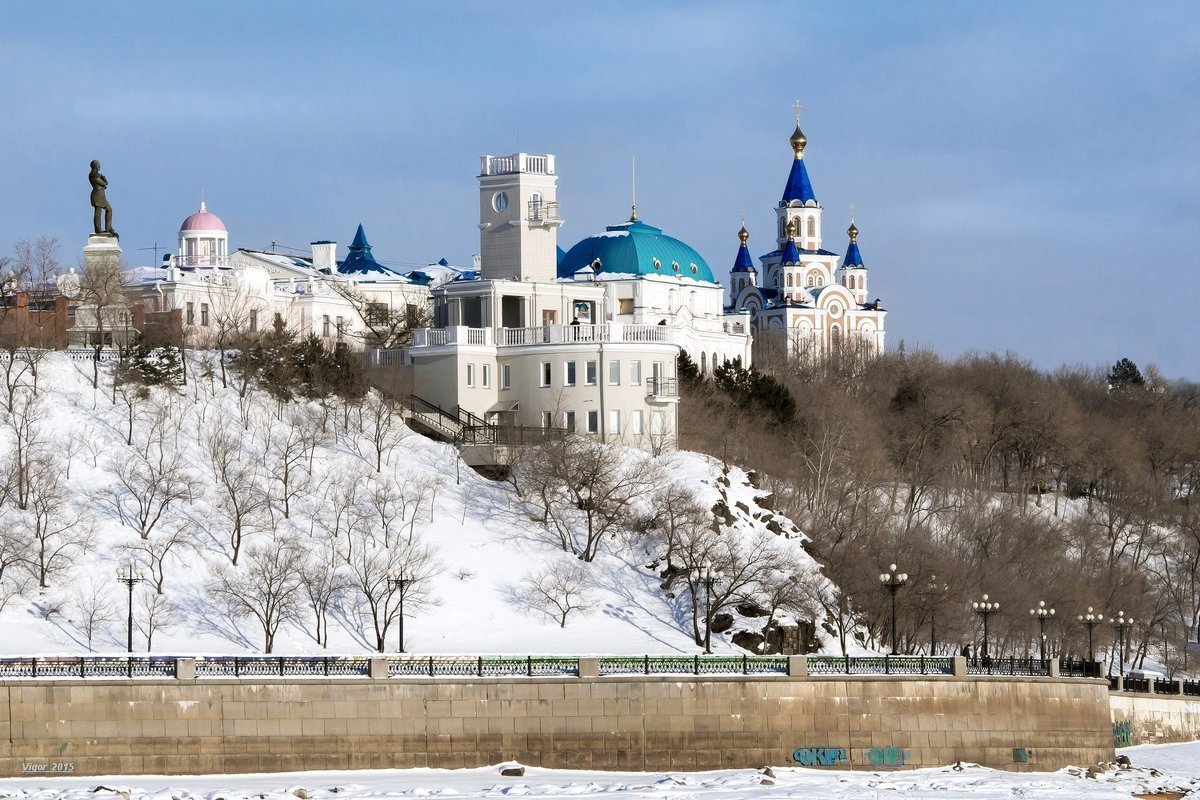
column 102, row 251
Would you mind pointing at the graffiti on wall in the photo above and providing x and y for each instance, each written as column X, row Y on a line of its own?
column 888, row 756
column 1122, row 734
column 819, row 756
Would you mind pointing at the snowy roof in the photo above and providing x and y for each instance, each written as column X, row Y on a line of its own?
column 635, row 248
column 361, row 264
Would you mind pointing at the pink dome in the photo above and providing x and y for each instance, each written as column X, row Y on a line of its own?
column 202, row 220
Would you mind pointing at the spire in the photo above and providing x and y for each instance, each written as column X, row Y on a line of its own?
column 633, row 185
column 744, row 262
column 799, row 187
column 790, row 254
column 359, row 245
column 853, row 258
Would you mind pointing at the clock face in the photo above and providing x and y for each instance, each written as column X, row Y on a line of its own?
column 500, row 201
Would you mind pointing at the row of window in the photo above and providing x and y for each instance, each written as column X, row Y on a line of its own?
column 252, row 320
column 637, row 422
column 570, row 373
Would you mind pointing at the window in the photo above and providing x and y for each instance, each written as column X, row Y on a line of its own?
column 635, row 373
column 658, row 423
column 614, row 373
column 593, row 422
column 547, row 419
column 545, row 373
column 191, row 313
column 376, row 313
column 589, row 375
column 569, row 421
column 703, row 362
column 506, row 377
column 614, row 421
column 812, row 226
column 625, row 306
column 341, row 327
column 636, row 424
column 487, row 376
column 253, row 320
column 325, row 326
column 204, row 314
column 570, row 374
column 470, row 374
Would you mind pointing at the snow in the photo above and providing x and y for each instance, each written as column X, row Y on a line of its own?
column 485, row 543
column 1155, row 769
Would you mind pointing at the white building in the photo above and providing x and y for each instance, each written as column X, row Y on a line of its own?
column 803, row 303
column 221, row 294
column 587, row 342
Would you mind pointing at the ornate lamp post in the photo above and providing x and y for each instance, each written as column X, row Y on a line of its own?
column 893, row 581
column 1091, row 621
column 131, row 577
column 708, row 576
column 399, row 581
column 1122, row 624
column 1041, row 613
column 985, row 608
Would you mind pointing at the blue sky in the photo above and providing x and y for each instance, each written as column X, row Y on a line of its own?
column 1025, row 174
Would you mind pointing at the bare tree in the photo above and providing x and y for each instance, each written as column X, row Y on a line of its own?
column 14, row 555
column 289, row 448
column 24, row 425
column 168, row 541
column 92, row 610
column 381, row 425
column 378, row 598
column 558, row 589
column 102, row 291
column 268, row 589
column 155, row 612
column 323, row 574
column 147, row 482
column 384, row 327
column 59, row 532
column 241, row 496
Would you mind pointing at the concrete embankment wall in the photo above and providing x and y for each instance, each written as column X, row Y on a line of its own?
column 161, row 726
column 1151, row 718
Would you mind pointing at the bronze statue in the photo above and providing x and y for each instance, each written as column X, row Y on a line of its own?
column 100, row 202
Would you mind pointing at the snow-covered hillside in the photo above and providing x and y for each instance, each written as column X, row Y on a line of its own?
column 93, row 475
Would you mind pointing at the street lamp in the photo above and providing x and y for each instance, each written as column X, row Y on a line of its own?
column 1091, row 621
column 893, row 581
column 937, row 593
column 400, row 581
column 708, row 576
column 1042, row 614
column 1122, row 624
column 131, row 577
column 985, row 608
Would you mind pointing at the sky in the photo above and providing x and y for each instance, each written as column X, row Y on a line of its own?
column 1025, row 173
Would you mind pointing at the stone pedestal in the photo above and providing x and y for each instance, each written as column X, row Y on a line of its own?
column 102, row 251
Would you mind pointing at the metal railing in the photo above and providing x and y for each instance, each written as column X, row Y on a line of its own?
column 88, row 667
column 1032, row 667
column 482, row 666
column 1079, row 669
column 1137, row 685
column 662, row 387
column 1191, row 688
column 692, row 665
column 880, row 665
column 282, row 666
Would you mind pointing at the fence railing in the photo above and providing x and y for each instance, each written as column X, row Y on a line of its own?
column 482, row 666
column 1008, row 666
column 880, row 665
column 282, row 666
column 692, row 665
column 87, row 667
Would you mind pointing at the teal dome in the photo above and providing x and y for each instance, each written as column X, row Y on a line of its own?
column 635, row 248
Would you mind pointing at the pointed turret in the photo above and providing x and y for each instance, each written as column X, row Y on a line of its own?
column 799, row 188
column 359, row 245
column 853, row 258
column 744, row 261
column 791, row 255
column 360, row 261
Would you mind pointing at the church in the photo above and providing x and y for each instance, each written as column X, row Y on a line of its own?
column 802, row 302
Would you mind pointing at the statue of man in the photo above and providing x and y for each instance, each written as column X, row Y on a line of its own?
column 100, row 202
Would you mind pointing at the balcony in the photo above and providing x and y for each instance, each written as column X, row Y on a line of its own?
column 662, row 390
column 188, row 262
column 543, row 214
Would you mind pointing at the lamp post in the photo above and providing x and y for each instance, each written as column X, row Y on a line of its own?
column 893, row 581
column 1122, row 624
column 1091, row 621
column 936, row 593
column 1042, row 614
column 708, row 576
column 399, row 581
column 131, row 577
column 985, row 608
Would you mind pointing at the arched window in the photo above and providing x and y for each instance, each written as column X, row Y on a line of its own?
column 798, row 228
column 789, row 280
column 835, row 337
column 811, row 281
column 812, row 227
column 703, row 362
column 715, row 362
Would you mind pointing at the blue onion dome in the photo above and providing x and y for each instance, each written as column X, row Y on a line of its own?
column 853, row 257
column 635, row 248
column 744, row 261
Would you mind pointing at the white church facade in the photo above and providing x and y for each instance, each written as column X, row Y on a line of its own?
column 803, row 302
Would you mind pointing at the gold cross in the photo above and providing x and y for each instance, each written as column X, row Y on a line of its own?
column 852, row 213
column 797, row 105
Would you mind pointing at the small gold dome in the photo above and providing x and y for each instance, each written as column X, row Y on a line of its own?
column 792, row 228
column 798, row 140
column 743, row 236
column 853, row 231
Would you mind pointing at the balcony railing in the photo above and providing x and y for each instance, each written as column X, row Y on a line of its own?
column 200, row 261
column 662, row 387
column 543, row 213
column 544, row 334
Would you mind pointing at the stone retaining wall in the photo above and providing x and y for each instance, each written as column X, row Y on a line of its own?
column 1154, row 718
column 152, row 726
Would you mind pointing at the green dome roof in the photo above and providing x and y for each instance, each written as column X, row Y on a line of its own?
column 635, row 248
